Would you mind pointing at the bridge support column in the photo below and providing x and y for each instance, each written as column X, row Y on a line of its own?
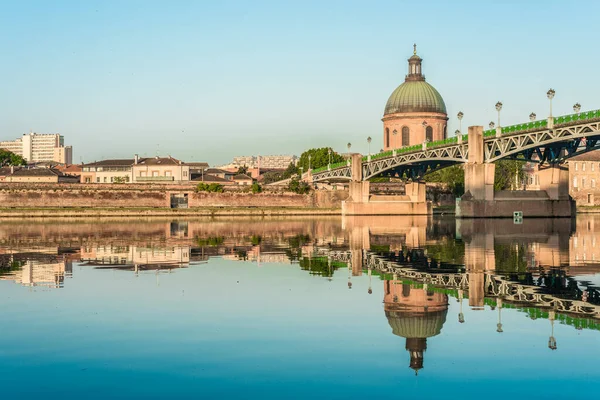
column 361, row 202
column 480, row 200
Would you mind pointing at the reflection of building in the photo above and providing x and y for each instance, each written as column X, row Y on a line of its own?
column 130, row 256
column 36, row 147
column 39, row 270
column 415, row 111
column 415, row 314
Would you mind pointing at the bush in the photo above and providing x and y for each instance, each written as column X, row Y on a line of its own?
column 212, row 188
column 256, row 188
column 298, row 186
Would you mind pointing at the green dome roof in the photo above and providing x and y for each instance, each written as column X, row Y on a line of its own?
column 409, row 325
column 415, row 96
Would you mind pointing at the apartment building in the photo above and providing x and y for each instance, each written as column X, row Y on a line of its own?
column 40, row 147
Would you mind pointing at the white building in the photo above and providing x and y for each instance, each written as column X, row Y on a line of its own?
column 264, row 162
column 40, row 147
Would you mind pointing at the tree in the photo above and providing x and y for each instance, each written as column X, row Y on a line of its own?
column 508, row 175
column 243, row 170
column 453, row 176
column 318, row 158
column 298, row 186
column 8, row 158
column 212, row 188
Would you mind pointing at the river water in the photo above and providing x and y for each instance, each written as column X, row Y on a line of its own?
column 401, row 307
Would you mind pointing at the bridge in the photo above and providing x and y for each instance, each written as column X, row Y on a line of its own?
column 548, row 142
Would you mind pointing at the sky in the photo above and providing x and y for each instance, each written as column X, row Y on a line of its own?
column 207, row 81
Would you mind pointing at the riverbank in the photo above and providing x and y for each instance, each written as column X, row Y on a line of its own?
column 166, row 212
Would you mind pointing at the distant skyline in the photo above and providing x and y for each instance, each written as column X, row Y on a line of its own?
column 207, row 81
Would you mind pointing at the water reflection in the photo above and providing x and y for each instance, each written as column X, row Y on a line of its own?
column 546, row 269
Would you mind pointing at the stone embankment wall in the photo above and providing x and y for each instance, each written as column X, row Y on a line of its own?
column 15, row 195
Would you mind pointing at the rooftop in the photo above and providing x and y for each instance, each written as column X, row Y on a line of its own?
column 111, row 163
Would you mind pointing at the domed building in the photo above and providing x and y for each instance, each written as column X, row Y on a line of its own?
column 415, row 111
column 414, row 314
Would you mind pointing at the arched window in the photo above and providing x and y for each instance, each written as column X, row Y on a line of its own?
column 387, row 137
column 429, row 134
column 445, row 132
column 405, row 136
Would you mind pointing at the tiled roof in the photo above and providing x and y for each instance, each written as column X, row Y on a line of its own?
column 241, row 177
column 111, row 163
column 590, row 156
column 36, row 172
column 216, row 171
column 159, row 161
column 210, row 178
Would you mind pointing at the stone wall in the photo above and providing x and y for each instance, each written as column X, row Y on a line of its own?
column 17, row 195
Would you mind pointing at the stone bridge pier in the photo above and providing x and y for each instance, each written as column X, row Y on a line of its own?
column 481, row 201
column 362, row 202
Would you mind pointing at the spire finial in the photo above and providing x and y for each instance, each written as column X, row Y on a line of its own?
column 415, row 49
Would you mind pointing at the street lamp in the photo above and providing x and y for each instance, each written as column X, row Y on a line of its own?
column 460, row 116
column 550, row 95
column 349, row 145
column 424, row 123
column 577, row 108
column 498, row 108
column 499, row 324
column 329, row 153
column 492, row 124
column 532, row 116
column 369, row 142
column 552, row 339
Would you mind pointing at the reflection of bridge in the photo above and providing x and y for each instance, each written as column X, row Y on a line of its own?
column 549, row 142
column 491, row 286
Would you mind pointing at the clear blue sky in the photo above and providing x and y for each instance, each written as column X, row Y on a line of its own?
column 210, row 80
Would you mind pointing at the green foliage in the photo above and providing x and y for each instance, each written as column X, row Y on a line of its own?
column 453, row 176
column 298, row 186
column 212, row 241
column 212, row 188
column 318, row 158
column 320, row 266
column 243, row 170
column 255, row 240
column 276, row 176
column 509, row 174
column 8, row 158
column 256, row 188
column 121, row 179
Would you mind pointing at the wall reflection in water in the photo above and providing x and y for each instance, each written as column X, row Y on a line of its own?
column 544, row 268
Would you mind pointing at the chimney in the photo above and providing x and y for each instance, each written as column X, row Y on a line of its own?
column 136, row 158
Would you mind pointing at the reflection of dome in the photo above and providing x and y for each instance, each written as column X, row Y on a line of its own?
column 415, row 96
column 415, row 314
column 416, row 325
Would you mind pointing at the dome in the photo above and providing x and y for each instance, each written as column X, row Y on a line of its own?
column 415, row 96
column 420, row 325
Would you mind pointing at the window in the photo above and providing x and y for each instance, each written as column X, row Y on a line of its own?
column 575, row 181
column 167, row 173
column 576, row 166
column 589, row 198
column 405, row 136
column 593, row 182
column 104, row 179
column 98, row 180
column 87, row 179
column 154, row 173
column 387, row 137
column 429, row 134
column 185, row 173
column 583, row 166
column 112, row 179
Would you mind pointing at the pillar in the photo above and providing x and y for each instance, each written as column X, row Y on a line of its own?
column 554, row 179
column 479, row 176
column 416, row 191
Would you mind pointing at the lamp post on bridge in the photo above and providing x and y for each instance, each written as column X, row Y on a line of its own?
column 309, row 162
column 458, row 136
column 532, row 116
column 349, row 156
column 369, row 142
column 550, row 95
column 577, row 108
column 492, row 125
column 460, row 116
column 499, row 324
column 329, row 154
column 499, row 108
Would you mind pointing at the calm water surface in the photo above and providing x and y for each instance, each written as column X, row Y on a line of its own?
column 403, row 307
